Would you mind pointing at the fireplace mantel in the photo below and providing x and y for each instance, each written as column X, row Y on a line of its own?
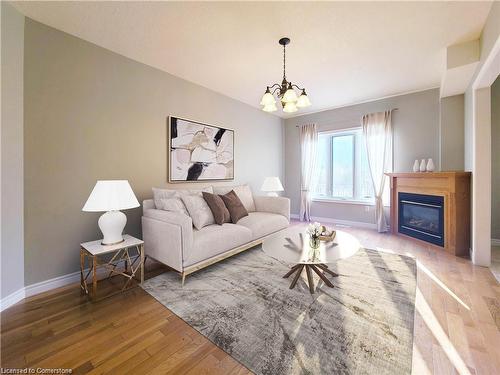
column 454, row 187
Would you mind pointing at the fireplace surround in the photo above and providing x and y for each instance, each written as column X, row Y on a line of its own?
column 432, row 207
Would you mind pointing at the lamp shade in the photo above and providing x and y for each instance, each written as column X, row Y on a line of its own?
column 111, row 195
column 267, row 99
column 270, row 108
column 303, row 100
column 290, row 107
column 272, row 184
column 290, row 96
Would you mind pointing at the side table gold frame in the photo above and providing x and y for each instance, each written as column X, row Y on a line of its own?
column 123, row 255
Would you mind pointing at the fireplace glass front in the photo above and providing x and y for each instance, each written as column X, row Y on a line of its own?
column 422, row 216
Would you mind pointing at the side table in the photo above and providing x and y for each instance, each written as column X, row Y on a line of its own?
column 130, row 252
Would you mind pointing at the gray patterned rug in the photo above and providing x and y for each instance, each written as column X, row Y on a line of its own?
column 362, row 326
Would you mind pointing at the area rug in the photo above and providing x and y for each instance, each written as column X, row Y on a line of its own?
column 364, row 325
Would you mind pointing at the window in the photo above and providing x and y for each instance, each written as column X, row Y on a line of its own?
column 343, row 170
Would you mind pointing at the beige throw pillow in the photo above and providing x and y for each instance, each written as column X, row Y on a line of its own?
column 170, row 199
column 198, row 210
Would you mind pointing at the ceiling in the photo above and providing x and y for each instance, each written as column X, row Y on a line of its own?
column 342, row 52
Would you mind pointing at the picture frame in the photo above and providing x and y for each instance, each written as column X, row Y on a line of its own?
column 198, row 151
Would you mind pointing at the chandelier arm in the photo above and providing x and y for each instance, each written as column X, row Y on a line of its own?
column 276, row 84
column 277, row 89
column 300, row 88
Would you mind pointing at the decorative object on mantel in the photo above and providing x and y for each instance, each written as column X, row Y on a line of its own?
column 111, row 196
column 284, row 91
column 199, row 152
column 416, row 166
column 430, row 165
column 423, row 166
column 272, row 185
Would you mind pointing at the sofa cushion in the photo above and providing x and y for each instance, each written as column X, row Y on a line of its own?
column 218, row 208
column 234, row 206
column 198, row 210
column 214, row 240
column 242, row 191
column 263, row 223
column 170, row 199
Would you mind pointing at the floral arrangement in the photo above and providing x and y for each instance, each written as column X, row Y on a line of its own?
column 314, row 229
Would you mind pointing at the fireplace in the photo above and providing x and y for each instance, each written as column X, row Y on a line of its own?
column 421, row 216
column 436, row 208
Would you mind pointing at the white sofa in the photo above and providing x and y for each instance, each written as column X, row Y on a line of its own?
column 170, row 238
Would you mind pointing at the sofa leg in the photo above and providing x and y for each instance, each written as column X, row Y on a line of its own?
column 183, row 278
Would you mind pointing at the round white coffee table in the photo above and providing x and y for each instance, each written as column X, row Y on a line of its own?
column 292, row 246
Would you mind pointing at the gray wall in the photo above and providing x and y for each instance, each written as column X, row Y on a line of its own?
column 451, row 130
column 495, row 159
column 92, row 114
column 12, row 235
column 416, row 136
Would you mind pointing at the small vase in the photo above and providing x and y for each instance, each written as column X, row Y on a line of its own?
column 314, row 242
column 422, row 166
column 416, row 166
column 430, row 165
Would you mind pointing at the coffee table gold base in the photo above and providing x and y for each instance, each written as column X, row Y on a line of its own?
column 319, row 269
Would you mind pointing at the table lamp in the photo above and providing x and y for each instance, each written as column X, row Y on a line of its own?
column 271, row 185
column 111, row 196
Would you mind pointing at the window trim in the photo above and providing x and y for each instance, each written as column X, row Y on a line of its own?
column 368, row 202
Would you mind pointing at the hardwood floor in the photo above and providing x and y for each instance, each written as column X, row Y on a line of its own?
column 457, row 325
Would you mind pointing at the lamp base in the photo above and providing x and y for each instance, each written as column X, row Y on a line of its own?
column 111, row 224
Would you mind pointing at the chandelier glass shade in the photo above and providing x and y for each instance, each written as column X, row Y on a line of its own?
column 284, row 92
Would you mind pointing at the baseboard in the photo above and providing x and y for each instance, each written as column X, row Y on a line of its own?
column 56, row 282
column 46, row 285
column 349, row 223
column 12, row 299
column 495, row 242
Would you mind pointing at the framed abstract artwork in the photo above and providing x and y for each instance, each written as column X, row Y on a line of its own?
column 199, row 152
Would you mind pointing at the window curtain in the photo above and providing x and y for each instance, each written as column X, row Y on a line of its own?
column 377, row 130
column 308, row 142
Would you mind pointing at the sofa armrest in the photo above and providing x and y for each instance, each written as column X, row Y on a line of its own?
column 148, row 204
column 275, row 205
column 167, row 236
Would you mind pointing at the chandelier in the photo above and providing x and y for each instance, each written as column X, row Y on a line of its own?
column 284, row 91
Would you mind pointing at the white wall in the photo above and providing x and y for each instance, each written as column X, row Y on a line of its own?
column 489, row 36
column 12, row 206
column 478, row 140
column 495, row 160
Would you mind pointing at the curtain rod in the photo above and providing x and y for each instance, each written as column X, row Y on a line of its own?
column 392, row 110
